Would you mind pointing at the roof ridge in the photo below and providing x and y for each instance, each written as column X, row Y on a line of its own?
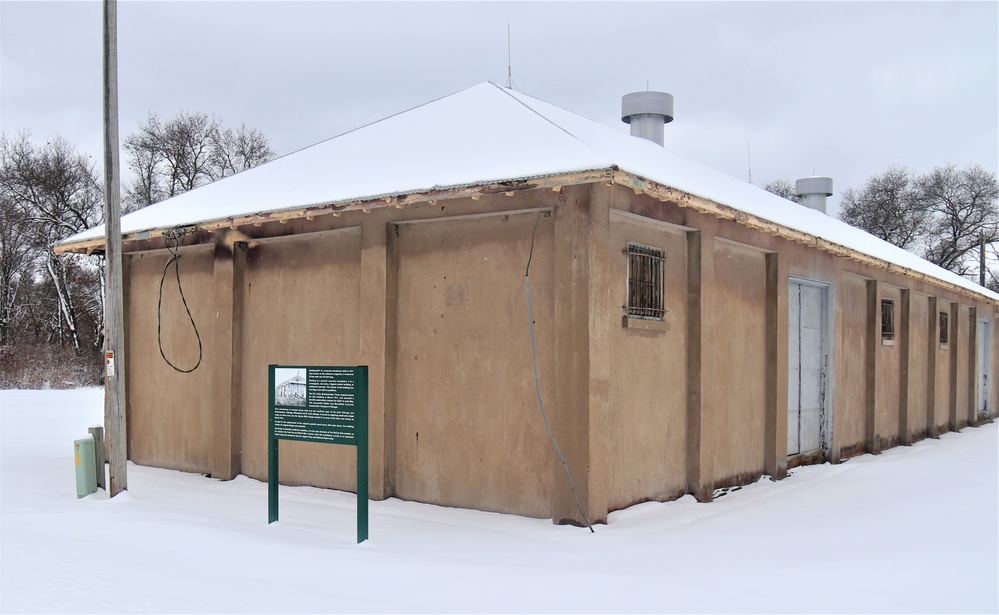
column 535, row 111
column 509, row 93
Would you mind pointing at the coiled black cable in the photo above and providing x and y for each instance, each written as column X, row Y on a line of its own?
column 175, row 235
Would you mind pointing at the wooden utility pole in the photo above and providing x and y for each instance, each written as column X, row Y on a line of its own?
column 114, row 338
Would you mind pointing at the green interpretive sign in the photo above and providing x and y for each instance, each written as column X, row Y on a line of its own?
column 319, row 404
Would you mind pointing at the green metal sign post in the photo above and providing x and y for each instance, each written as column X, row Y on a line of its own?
column 311, row 403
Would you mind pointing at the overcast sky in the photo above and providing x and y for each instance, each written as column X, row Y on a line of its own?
column 843, row 89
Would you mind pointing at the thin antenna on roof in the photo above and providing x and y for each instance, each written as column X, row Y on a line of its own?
column 749, row 157
column 509, row 61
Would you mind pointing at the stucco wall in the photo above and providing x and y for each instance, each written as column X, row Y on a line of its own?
column 921, row 330
column 646, row 445
column 941, row 409
column 889, row 371
column 169, row 413
column 432, row 297
column 851, row 393
column 735, row 364
column 300, row 308
column 964, row 366
column 468, row 428
column 994, row 406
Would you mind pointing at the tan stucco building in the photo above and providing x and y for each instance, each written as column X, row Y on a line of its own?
column 692, row 331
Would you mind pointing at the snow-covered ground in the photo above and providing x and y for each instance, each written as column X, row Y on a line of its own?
column 911, row 530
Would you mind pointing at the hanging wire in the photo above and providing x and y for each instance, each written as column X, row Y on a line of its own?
column 175, row 236
column 534, row 359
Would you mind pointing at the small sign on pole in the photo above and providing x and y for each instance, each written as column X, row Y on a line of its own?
column 318, row 404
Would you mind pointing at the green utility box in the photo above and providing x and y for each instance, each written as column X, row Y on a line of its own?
column 86, row 476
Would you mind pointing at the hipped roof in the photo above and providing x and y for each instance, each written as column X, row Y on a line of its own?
column 485, row 135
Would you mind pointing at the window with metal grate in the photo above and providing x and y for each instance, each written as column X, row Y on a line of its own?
column 944, row 330
column 646, row 282
column 887, row 320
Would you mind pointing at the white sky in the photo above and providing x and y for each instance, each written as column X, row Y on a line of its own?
column 844, row 89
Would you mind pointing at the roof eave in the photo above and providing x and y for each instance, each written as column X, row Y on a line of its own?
column 611, row 175
column 336, row 208
column 726, row 212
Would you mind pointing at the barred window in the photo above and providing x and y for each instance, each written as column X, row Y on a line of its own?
column 887, row 319
column 646, row 282
column 944, row 331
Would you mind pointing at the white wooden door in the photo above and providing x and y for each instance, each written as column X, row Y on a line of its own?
column 984, row 367
column 806, row 365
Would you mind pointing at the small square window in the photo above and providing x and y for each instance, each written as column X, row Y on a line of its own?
column 944, row 330
column 887, row 320
column 646, row 282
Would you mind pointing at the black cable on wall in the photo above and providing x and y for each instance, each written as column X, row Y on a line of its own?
column 175, row 236
column 534, row 359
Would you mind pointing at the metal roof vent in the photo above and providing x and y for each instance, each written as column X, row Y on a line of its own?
column 647, row 113
column 813, row 191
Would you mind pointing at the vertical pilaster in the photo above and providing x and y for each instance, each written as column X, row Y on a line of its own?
column 993, row 362
column 700, row 272
column 837, row 342
column 602, row 316
column 931, row 369
column 873, row 351
column 126, row 298
column 955, row 330
column 571, row 412
column 972, row 366
column 904, row 337
column 228, row 278
column 775, row 428
column 391, row 359
column 372, row 351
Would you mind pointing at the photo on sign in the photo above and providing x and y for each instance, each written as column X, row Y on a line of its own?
column 289, row 386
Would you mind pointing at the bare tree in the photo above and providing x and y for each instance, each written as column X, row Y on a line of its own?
column 887, row 206
column 963, row 206
column 946, row 215
column 55, row 191
column 50, row 191
column 144, row 159
column 238, row 149
column 784, row 188
column 187, row 151
column 15, row 267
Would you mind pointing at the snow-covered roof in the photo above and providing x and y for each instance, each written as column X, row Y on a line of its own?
column 296, row 379
column 483, row 135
